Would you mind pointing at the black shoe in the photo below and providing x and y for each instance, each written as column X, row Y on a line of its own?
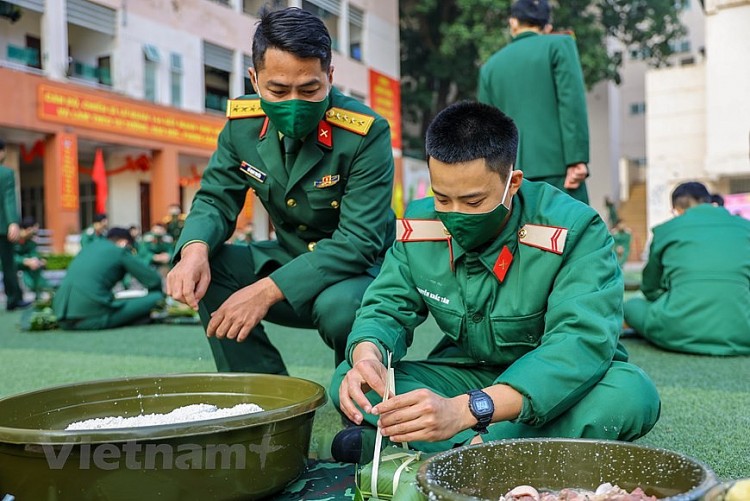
column 355, row 444
column 19, row 305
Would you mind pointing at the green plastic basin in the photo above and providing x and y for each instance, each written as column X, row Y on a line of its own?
column 488, row 471
column 240, row 457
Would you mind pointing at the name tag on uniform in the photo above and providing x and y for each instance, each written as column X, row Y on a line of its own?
column 253, row 172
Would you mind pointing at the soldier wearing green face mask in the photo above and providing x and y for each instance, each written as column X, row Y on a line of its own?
column 522, row 280
column 322, row 166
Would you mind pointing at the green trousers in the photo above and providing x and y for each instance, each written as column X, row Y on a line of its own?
column 624, row 405
column 10, row 278
column 34, row 280
column 331, row 313
column 635, row 313
column 580, row 193
column 127, row 312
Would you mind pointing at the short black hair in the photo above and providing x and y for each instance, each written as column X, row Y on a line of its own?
column 2, row 144
column 531, row 12
column 466, row 131
column 98, row 218
column 689, row 194
column 717, row 199
column 118, row 233
column 292, row 30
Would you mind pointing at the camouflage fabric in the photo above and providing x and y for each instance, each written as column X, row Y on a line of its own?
column 321, row 481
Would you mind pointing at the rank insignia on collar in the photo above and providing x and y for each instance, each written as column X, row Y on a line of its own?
column 327, row 181
column 500, row 269
column 325, row 134
column 253, row 172
column 548, row 238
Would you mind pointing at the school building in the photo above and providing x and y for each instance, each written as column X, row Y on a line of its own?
column 146, row 83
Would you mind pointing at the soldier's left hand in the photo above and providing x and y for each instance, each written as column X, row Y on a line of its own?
column 422, row 415
column 575, row 175
column 243, row 310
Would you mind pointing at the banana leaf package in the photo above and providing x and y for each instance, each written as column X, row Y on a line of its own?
column 396, row 476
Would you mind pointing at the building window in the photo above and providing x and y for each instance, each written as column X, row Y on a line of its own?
column 175, row 79
column 356, row 24
column 34, row 47
column 637, row 108
column 328, row 11
column 104, row 70
column 217, row 88
column 253, row 7
column 680, row 46
column 150, row 68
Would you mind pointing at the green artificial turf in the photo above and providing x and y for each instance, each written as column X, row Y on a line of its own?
column 705, row 400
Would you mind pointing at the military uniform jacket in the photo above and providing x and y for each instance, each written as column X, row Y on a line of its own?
column 151, row 245
column 86, row 290
column 332, row 213
column 538, row 82
column 551, row 325
column 698, row 277
column 90, row 235
column 8, row 207
column 24, row 250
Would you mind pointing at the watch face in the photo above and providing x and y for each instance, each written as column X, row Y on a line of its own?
column 482, row 405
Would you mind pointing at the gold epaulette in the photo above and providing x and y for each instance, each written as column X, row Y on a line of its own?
column 349, row 120
column 244, row 108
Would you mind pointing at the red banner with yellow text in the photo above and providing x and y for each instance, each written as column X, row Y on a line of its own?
column 385, row 100
column 68, row 157
column 74, row 107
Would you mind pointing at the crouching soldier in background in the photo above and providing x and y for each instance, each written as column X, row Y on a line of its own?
column 85, row 300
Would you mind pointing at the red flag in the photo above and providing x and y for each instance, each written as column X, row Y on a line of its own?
column 99, row 176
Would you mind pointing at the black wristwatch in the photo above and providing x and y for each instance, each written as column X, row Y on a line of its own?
column 482, row 408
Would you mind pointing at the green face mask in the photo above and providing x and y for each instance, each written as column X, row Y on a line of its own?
column 472, row 230
column 295, row 118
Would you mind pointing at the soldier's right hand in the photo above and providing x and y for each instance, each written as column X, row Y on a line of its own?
column 188, row 281
column 367, row 373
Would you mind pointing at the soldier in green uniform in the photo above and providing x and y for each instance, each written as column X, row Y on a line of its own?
column 28, row 259
column 321, row 164
column 9, row 231
column 622, row 237
column 97, row 230
column 522, row 281
column 156, row 246
column 696, row 280
column 85, row 300
column 537, row 80
column 174, row 222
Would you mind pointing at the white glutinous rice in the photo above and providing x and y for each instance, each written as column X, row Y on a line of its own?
column 186, row 414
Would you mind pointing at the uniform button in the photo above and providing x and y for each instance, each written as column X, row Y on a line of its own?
column 291, row 203
column 311, row 246
column 302, row 227
column 477, row 317
column 335, row 204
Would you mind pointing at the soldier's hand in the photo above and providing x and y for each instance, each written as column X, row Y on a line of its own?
column 575, row 175
column 188, row 281
column 422, row 415
column 367, row 373
column 14, row 232
column 243, row 310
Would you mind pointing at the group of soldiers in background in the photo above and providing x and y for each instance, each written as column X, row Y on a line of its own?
column 108, row 256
